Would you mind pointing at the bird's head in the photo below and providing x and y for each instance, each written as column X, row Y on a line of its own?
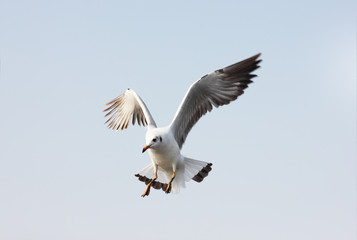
column 152, row 142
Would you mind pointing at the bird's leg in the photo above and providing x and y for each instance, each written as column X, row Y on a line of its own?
column 147, row 189
column 168, row 189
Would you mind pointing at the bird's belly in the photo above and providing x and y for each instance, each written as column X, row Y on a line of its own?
column 165, row 161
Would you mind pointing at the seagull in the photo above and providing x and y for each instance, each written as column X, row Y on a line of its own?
column 169, row 169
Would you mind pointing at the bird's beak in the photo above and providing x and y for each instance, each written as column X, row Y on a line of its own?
column 145, row 148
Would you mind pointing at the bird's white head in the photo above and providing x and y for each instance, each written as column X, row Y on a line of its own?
column 153, row 141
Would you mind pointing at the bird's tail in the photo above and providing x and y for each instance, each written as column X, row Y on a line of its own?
column 147, row 174
column 190, row 169
column 196, row 170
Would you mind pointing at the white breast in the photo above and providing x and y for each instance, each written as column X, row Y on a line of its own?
column 168, row 155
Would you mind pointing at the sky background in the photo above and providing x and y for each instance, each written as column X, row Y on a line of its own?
column 284, row 154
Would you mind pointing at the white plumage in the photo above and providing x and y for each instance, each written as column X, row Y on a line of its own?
column 169, row 169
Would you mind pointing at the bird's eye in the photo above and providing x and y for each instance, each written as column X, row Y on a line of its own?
column 154, row 140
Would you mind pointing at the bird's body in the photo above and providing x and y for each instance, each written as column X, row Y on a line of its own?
column 168, row 154
column 169, row 169
column 166, row 158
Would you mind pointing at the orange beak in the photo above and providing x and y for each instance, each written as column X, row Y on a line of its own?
column 145, row 148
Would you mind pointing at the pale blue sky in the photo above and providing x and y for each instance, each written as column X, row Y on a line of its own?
column 284, row 154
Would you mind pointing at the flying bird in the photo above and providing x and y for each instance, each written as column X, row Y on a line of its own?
column 169, row 169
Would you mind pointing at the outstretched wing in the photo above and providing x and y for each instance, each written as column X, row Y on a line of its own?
column 126, row 106
column 217, row 88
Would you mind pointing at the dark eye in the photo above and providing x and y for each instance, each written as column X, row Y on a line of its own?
column 154, row 140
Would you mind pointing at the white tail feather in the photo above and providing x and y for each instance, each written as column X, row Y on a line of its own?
column 148, row 172
column 192, row 167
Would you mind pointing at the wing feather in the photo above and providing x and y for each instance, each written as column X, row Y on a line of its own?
column 128, row 105
column 217, row 89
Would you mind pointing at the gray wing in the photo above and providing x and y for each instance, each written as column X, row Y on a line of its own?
column 217, row 89
column 126, row 106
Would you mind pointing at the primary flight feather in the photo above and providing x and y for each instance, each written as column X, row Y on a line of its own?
column 169, row 169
